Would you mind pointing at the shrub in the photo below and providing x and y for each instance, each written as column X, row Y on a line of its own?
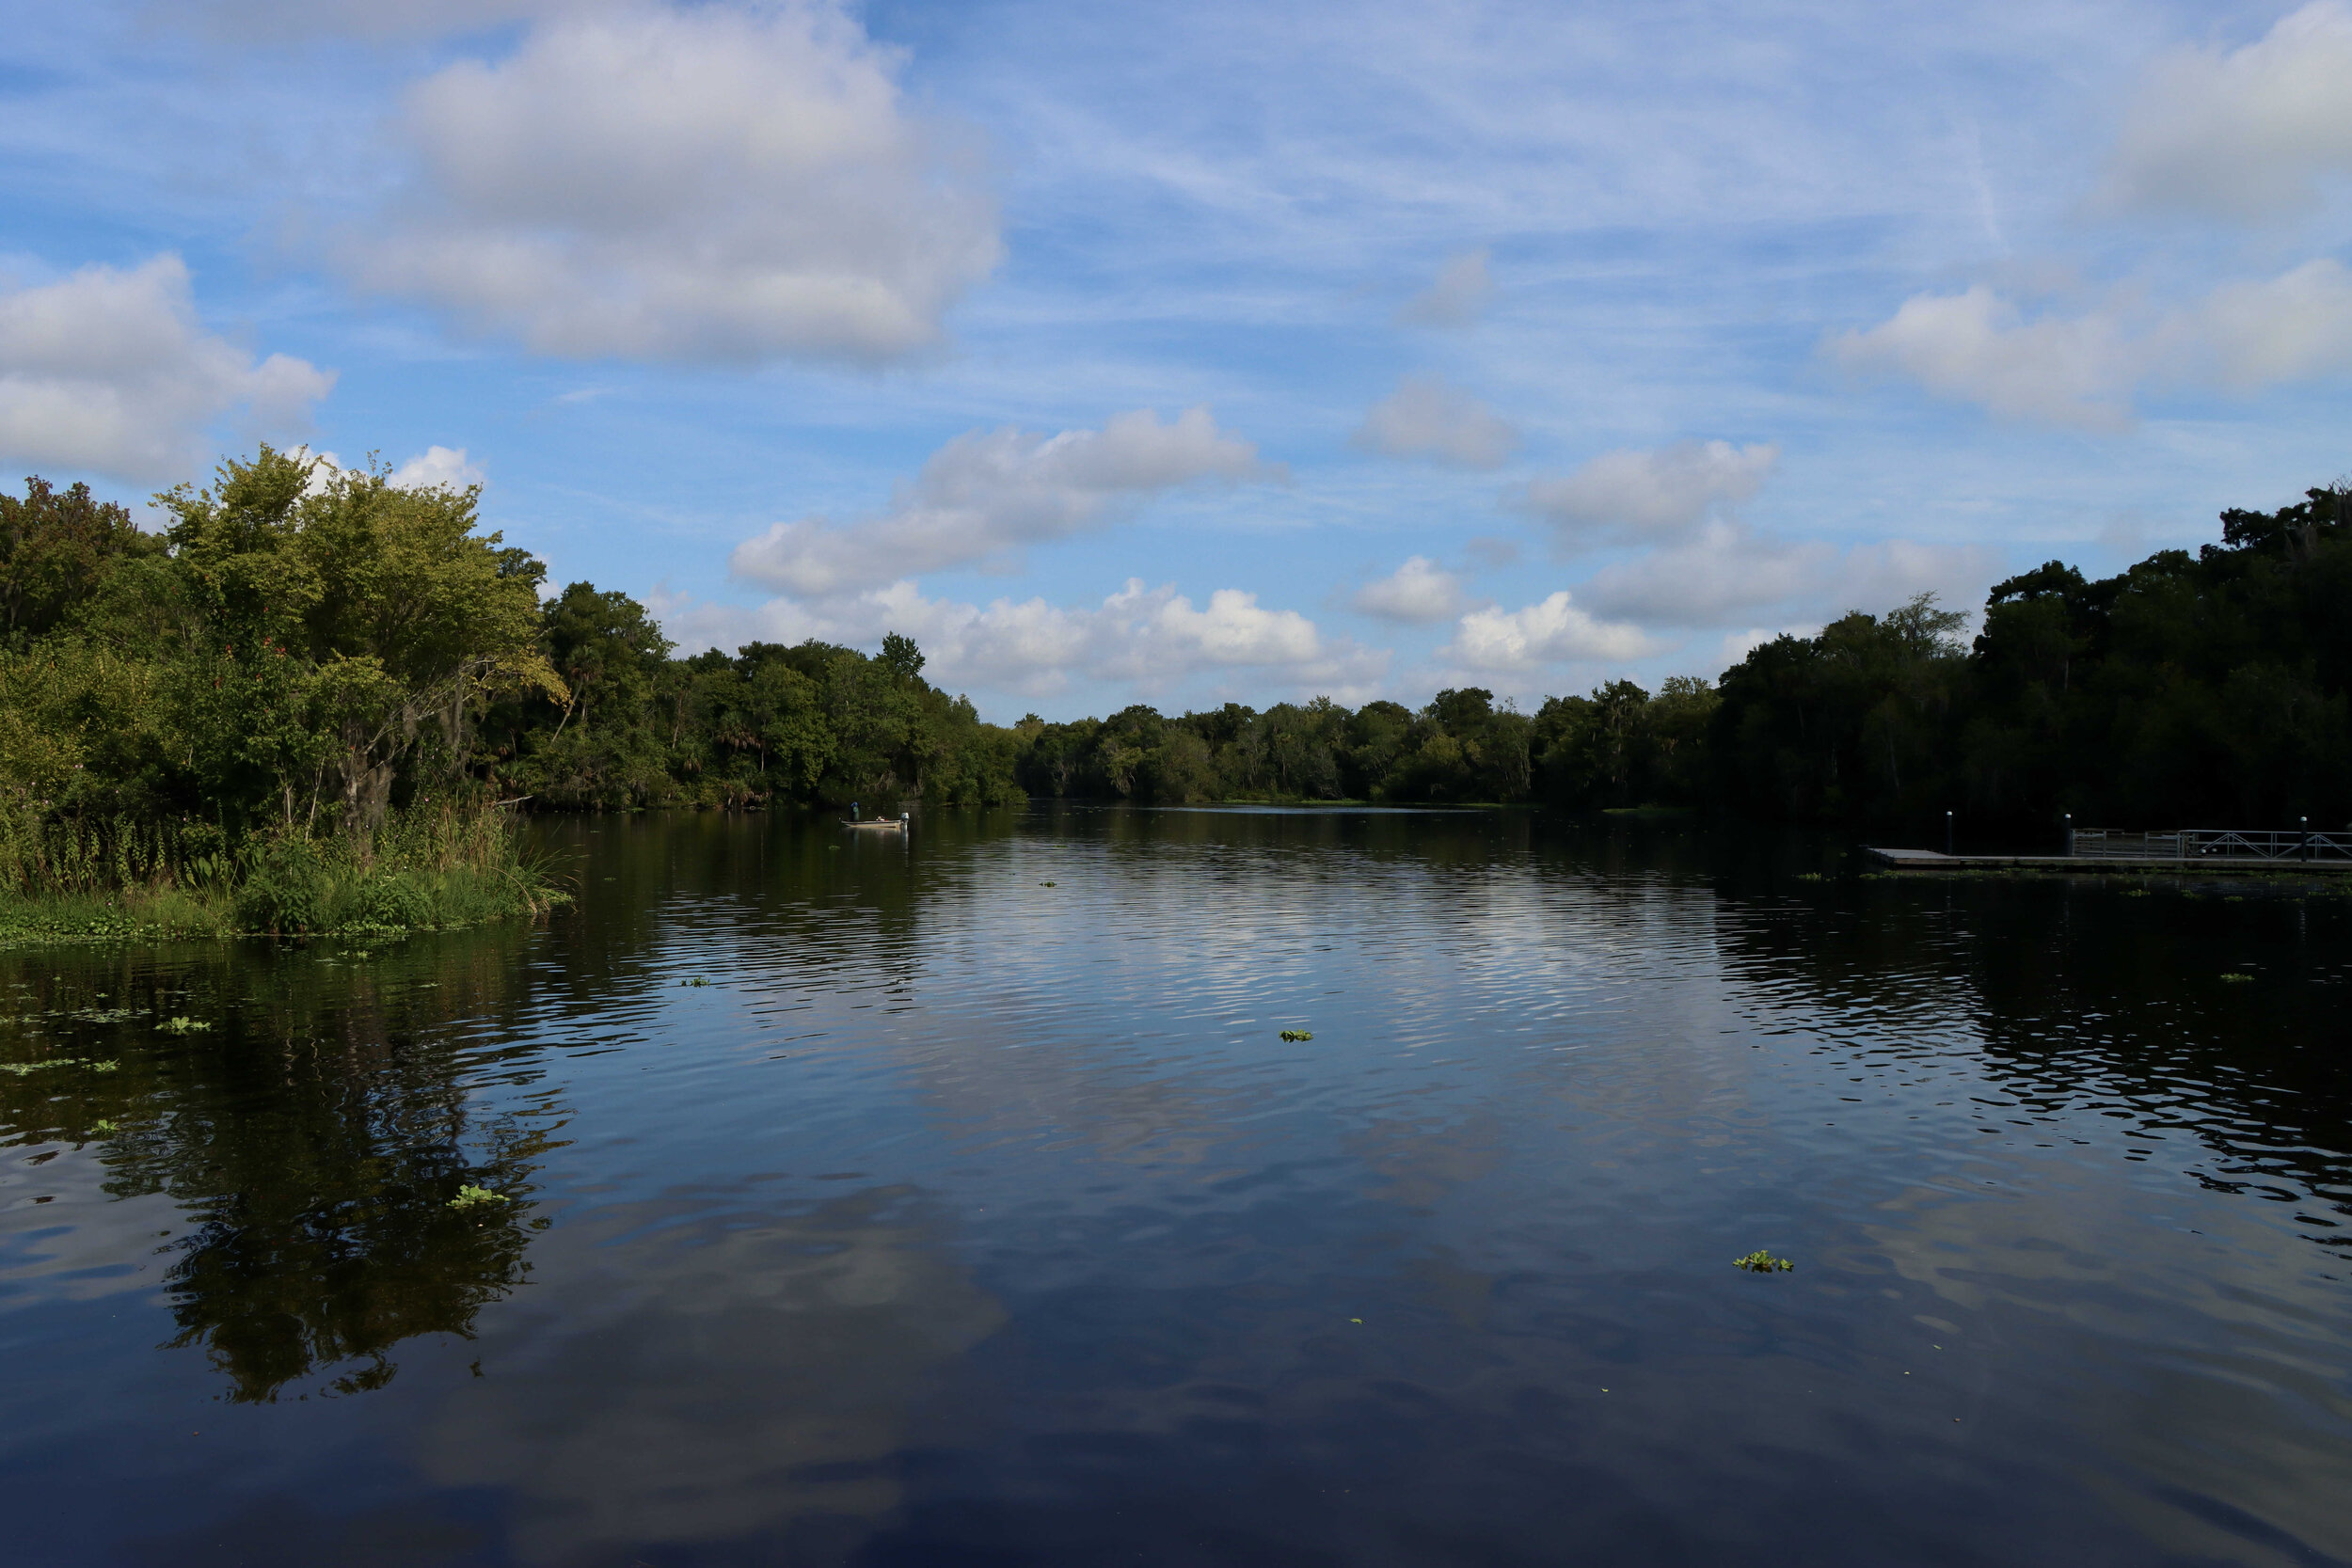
column 389, row 901
column 286, row 892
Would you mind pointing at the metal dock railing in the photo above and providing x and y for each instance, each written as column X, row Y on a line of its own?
column 2196, row 844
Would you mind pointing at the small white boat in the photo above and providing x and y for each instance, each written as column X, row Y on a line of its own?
column 889, row 824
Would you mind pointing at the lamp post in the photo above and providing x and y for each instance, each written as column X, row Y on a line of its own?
column 2069, row 835
column 2303, row 841
column 1947, row 832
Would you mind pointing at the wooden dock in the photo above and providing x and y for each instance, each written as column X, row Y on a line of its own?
column 2136, row 866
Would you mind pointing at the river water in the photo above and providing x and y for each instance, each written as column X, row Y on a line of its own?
column 957, row 1199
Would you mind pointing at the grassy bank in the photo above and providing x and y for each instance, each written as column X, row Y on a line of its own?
column 82, row 882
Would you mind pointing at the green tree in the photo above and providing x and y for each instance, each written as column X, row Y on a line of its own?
column 358, row 619
column 57, row 550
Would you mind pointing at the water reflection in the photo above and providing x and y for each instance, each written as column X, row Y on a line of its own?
column 2100, row 1036
column 2094, row 998
column 974, row 1208
column 831, row 1324
column 312, row 1124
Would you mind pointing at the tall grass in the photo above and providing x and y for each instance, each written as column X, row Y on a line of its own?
column 426, row 868
column 40, row 853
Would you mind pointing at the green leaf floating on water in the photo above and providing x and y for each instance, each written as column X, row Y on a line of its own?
column 1761, row 1261
column 471, row 1196
column 1296, row 1035
column 181, row 1025
column 2234, row 978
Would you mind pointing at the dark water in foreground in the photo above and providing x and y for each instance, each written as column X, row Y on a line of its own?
column 974, row 1211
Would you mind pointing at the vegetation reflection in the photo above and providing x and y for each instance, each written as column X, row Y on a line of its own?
column 308, row 1115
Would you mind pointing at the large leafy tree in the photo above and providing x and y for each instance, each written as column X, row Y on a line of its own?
column 350, row 627
column 56, row 550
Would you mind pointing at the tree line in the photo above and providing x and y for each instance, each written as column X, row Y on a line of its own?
column 315, row 654
column 2205, row 688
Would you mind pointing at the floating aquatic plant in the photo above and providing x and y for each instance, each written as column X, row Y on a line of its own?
column 1761, row 1261
column 695, row 980
column 2234, row 978
column 1048, row 884
column 24, row 1070
column 103, row 1125
column 1808, row 877
column 471, row 1197
column 177, row 1025
column 1296, row 1035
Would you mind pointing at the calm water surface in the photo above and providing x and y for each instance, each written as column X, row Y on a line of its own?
column 956, row 1201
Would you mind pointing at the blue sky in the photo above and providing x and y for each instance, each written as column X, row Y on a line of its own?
column 1200, row 352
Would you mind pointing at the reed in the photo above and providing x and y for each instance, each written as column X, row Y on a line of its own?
column 428, row 867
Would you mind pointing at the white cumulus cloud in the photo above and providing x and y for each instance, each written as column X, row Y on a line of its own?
column 275, row 21
column 1457, row 298
column 109, row 372
column 1724, row 569
column 693, row 183
column 2293, row 327
column 439, row 467
column 1664, row 493
column 1429, row 416
column 990, row 492
column 1554, row 631
column 1417, row 593
column 1151, row 639
column 2086, row 370
column 434, row 468
column 1726, row 573
column 2246, row 134
column 1978, row 347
